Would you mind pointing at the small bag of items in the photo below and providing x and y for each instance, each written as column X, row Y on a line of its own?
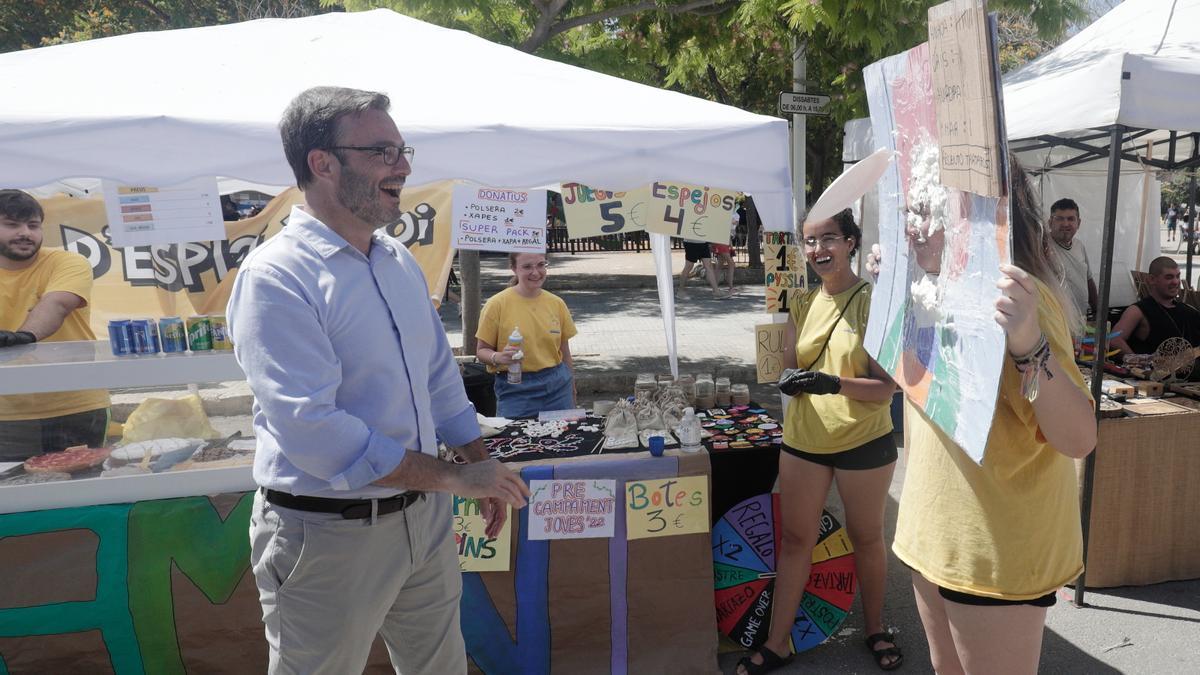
column 621, row 427
column 649, row 415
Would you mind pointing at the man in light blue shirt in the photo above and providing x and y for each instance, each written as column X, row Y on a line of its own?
column 354, row 385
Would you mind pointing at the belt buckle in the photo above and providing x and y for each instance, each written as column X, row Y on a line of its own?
column 357, row 511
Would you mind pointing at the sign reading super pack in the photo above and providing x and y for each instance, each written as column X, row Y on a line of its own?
column 499, row 219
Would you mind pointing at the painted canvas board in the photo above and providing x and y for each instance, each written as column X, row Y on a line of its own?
column 932, row 324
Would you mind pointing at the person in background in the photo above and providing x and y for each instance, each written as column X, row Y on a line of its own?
column 724, row 264
column 837, row 428
column 1172, row 221
column 990, row 544
column 1159, row 316
column 1076, row 267
column 44, row 297
column 354, row 387
column 699, row 252
column 547, row 377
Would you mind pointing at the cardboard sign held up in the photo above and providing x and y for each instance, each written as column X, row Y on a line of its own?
column 965, row 86
column 695, row 212
column 768, row 351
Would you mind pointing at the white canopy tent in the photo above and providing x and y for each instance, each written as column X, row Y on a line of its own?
column 160, row 108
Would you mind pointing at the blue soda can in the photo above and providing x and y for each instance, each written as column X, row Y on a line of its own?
column 173, row 335
column 145, row 336
column 120, row 336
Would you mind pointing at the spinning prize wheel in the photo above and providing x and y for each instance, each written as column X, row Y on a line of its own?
column 744, row 556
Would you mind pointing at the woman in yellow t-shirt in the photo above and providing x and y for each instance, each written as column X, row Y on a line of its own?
column 547, row 381
column 990, row 544
column 838, row 427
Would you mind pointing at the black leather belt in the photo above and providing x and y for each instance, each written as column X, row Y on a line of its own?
column 350, row 509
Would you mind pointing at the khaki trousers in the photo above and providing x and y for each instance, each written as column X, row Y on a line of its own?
column 328, row 585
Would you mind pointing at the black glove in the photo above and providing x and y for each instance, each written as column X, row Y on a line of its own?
column 9, row 338
column 795, row 381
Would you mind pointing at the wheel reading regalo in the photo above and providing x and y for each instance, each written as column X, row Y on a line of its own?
column 744, row 545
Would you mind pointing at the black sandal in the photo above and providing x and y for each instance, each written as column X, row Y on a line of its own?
column 887, row 652
column 770, row 661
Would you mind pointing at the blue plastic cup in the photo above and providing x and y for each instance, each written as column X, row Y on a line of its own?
column 657, row 444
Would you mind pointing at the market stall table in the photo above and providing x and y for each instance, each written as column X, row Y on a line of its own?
column 138, row 574
column 1145, row 521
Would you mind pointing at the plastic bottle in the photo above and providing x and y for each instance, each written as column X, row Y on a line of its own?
column 689, row 431
column 514, row 369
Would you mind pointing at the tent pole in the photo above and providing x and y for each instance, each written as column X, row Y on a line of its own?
column 1192, row 210
column 1106, row 256
column 468, row 262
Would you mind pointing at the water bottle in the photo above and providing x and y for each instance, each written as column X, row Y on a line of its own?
column 514, row 368
column 689, row 431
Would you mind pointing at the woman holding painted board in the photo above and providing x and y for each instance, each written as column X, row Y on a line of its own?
column 838, row 426
column 544, row 325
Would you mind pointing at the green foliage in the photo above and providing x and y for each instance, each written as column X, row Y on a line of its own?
column 25, row 24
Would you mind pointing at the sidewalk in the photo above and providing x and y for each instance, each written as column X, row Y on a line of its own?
column 613, row 298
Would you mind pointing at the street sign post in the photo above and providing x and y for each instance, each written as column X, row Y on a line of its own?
column 797, row 103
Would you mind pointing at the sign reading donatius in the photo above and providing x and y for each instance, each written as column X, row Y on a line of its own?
column 499, row 219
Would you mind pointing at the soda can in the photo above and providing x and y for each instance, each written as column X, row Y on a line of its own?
column 221, row 339
column 120, row 337
column 173, row 335
column 199, row 334
column 145, row 336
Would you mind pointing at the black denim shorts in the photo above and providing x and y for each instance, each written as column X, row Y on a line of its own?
column 869, row 455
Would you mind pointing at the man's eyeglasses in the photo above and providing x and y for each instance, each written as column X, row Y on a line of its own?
column 390, row 154
column 824, row 242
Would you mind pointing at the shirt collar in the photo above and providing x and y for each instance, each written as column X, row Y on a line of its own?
column 324, row 240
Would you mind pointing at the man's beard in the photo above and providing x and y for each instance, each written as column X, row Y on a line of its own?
column 12, row 254
column 361, row 197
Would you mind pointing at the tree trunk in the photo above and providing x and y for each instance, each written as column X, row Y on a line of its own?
column 468, row 262
column 752, row 235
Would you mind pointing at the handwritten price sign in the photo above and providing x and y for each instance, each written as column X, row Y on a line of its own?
column 666, row 507
column 476, row 552
column 591, row 212
column 572, row 509
column 689, row 211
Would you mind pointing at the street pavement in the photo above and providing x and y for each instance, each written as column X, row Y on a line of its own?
column 1151, row 629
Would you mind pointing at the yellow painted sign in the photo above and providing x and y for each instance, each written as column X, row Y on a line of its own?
column 197, row 277
column 689, row 211
column 477, row 552
column 591, row 212
column 666, row 507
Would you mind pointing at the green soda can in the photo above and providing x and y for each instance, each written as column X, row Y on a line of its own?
column 199, row 332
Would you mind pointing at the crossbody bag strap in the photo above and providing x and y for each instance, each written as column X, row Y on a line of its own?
column 841, row 313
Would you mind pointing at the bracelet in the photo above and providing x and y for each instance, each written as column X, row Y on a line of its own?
column 1031, row 365
column 494, row 358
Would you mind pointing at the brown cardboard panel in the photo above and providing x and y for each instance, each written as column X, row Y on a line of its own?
column 23, row 568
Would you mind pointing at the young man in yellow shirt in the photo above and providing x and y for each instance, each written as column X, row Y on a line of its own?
column 43, row 297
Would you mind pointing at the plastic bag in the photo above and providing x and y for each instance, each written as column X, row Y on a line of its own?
column 168, row 418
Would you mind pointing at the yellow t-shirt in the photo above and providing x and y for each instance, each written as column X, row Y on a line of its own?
column 544, row 322
column 833, row 423
column 1010, row 528
column 20, row 290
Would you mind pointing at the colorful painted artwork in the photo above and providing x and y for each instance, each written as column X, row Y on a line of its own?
column 932, row 324
column 745, row 542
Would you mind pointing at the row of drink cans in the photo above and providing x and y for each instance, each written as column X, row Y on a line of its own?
column 169, row 335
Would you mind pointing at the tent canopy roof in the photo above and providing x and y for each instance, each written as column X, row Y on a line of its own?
column 162, row 107
column 1135, row 66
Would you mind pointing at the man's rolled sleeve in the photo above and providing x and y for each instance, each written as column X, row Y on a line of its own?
column 453, row 413
column 294, row 373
